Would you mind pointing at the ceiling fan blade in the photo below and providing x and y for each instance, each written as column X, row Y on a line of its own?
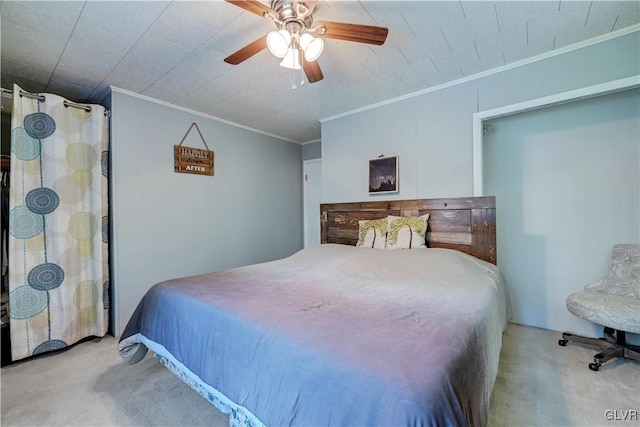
column 354, row 32
column 247, row 52
column 312, row 71
column 252, row 6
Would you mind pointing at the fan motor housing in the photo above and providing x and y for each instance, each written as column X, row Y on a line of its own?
column 294, row 11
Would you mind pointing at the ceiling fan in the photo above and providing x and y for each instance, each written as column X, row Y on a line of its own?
column 294, row 39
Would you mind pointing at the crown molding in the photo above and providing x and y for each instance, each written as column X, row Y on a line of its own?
column 197, row 113
column 541, row 57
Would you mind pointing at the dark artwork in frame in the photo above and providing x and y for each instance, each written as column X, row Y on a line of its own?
column 383, row 175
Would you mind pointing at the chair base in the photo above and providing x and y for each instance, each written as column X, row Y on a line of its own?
column 611, row 346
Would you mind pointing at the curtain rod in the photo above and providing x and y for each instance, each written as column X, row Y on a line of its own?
column 42, row 98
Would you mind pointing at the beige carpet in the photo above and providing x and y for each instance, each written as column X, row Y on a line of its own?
column 539, row 384
column 543, row 384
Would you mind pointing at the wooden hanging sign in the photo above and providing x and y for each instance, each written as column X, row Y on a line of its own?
column 193, row 160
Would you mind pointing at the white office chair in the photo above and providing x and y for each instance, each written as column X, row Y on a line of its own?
column 613, row 302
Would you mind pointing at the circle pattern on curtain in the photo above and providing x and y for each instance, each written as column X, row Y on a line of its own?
column 45, row 277
column 105, row 295
column 26, row 302
column 24, row 224
column 42, row 200
column 104, row 162
column 50, row 345
column 23, row 146
column 39, row 125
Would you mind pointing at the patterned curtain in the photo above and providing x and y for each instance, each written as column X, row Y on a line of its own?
column 58, row 223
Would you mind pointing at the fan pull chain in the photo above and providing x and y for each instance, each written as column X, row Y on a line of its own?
column 294, row 86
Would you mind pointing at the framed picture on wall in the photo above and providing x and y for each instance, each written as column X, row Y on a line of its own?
column 383, row 175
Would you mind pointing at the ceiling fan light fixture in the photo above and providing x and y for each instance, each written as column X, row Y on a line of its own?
column 278, row 42
column 297, row 41
column 311, row 46
column 291, row 60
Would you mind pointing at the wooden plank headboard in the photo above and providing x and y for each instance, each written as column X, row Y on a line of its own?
column 465, row 224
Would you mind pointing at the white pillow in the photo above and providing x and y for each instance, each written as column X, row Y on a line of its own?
column 406, row 232
column 372, row 233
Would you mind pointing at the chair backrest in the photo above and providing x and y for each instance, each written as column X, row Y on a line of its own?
column 623, row 277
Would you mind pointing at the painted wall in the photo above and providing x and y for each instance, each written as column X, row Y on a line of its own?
column 312, row 151
column 567, row 182
column 168, row 224
column 432, row 134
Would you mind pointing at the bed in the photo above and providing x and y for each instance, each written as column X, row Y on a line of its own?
column 342, row 335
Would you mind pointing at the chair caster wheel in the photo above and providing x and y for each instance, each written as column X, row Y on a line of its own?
column 562, row 342
column 594, row 366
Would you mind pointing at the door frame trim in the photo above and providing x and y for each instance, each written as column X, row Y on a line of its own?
column 304, row 197
column 534, row 104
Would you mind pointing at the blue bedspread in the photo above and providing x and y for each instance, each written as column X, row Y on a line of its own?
column 338, row 335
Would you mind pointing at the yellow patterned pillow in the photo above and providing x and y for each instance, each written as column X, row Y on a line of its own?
column 372, row 233
column 406, row 232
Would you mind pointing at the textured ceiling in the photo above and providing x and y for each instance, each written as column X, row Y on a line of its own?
column 174, row 50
